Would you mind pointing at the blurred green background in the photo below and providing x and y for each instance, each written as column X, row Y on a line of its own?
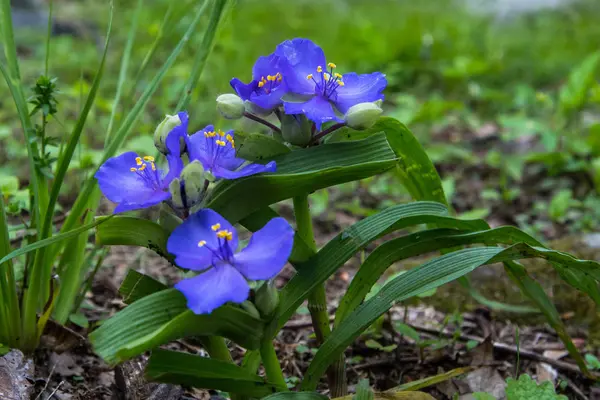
column 478, row 81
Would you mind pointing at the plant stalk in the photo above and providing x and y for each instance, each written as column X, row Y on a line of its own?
column 216, row 347
column 271, row 364
column 317, row 300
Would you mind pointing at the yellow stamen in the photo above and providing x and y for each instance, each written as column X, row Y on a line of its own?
column 332, row 65
column 201, row 243
column 143, row 167
column 309, row 76
column 229, row 138
column 338, row 75
column 232, row 144
column 279, row 78
column 138, row 160
column 225, row 234
column 326, row 77
column 261, row 84
column 153, row 166
column 340, row 83
column 216, row 227
column 319, row 69
column 271, row 77
column 220, row 142
column 148, row 158
column 206, row 134
column 132, row 169
column 221, row 133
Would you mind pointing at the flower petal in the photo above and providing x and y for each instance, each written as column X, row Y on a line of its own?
column 302, row 58
column 242, row 89
column 205, row 150
column 317, row 109
column 250, row 169
column 270, row 100
column 151, row 199
column 183, row 242
column 213, row 288
column 118, row 183
column 267, row 252
column 360, row 89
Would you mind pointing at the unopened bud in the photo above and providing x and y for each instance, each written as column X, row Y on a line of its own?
column 363, row 115
column 163, row 129
column 175, row 190
column 192, row 184
column 250, row 308
column 230, row 106
column 295, row 129
column 267, row 299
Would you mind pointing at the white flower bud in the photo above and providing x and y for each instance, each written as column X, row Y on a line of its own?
column 163, row 129
column 363, row 115
column 230, row 106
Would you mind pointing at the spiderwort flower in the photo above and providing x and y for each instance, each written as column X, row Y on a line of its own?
column 135, row 182
column 215, row 149
column 328, row 94
column 207, row 242
column 267, row 85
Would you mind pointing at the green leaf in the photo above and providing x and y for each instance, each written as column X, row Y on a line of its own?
column 526, row 388
column 413, row 245
column 483, row 396
column 339, row 250
column 207, row 373
column 52, row 240
column 495, row 305
column 408, row 331
column 427, row 276
column 373, row 344
column 137, row 285
column 363, row 391
column 592, row 361
column 296, row 396
column 302, row 172
column 162, row 317
column 258, row 147
column 132, row 231
column 573, row 94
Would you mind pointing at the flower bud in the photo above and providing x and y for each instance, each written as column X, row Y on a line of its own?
column 267, row 299
column 175, row 190
column 192, row 184
column 250, row 308
column 363, row 115
column 230, row 106
column 163, row 129
column 295, row 129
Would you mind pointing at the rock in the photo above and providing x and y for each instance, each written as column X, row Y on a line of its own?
column 15, row 371
column 129, row 378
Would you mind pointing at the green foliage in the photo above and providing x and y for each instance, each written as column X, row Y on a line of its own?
column 526, row 388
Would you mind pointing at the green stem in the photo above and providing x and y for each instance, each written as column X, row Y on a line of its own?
column 317, row 300
column 271, row 364
column 10, row 321
column 216, row 347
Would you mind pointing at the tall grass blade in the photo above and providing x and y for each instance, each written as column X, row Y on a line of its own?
column 10, row 321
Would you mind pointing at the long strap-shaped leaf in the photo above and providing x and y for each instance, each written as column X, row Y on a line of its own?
column 339, row 250
column 301, row 172
column 163, row 316
column 208, row 373
column 418, row 280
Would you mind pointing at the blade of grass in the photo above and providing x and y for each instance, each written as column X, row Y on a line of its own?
column 202, row 55
column 48, row 35
column 10, row 327
column 123, row 70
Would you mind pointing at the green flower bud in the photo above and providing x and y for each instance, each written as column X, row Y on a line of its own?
column 267, row 299
column 175, row 190
column 192, row 184
column 230, row 106
column 250, row 308
column 296, row 129
column 163, row 129
column 363, row 115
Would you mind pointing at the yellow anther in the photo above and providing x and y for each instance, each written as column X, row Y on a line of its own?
column 271, row 77
column 210, row 134
column 206, row 134
column 279, row 78
column 153, row 166
column 319, row 69
column 340, row 83
column 332, row 65
column 338, row 75
column 138, row 160
column 225, row 234
column 326, row 76
column 309, row 76
column 216, row 227
column 229, row 138
column 220, row 142
column 232, row 144
column 221, row 133
column 148, row 158
column 261, row 84
column 143, row 167
column 132, row 169
column 201, row 243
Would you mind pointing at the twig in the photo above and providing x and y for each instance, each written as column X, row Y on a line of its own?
column 385, row 362
column 47, row 382
column 261, row 121
column 530, row 355
column 55, row 390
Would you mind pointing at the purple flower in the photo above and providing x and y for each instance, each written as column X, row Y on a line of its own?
column 207, row 242
column 326, row 92
column 135, row 182
column 216, row 151
column 267, row 85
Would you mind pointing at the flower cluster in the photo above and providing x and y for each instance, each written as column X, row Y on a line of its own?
column 297, row 77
